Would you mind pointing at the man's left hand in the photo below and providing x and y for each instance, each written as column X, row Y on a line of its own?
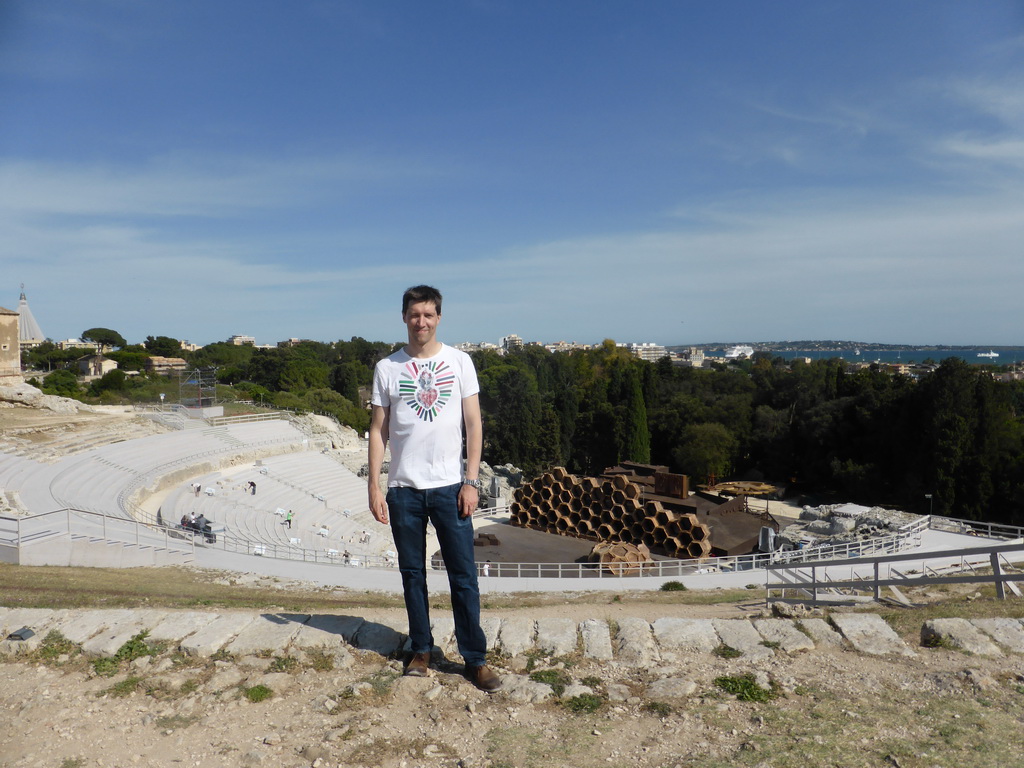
column 469, row 498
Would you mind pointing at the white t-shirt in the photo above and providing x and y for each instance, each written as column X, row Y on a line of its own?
column 425, row 428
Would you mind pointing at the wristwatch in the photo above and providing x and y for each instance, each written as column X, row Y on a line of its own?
column 477, row 483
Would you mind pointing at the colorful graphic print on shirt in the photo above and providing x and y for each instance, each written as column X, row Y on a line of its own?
column 426, row 388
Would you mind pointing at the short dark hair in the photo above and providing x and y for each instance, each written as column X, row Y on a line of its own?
column 419, row 293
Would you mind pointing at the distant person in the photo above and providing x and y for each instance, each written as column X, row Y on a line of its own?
column 288, row 519
column 185, row 521
column 197, row 487
column 424, row 396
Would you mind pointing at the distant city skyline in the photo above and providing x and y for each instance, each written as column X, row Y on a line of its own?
column 661, row 172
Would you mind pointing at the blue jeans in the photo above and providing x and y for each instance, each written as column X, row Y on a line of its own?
column 410, row 509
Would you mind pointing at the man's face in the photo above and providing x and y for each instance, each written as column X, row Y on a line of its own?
column 421, row 320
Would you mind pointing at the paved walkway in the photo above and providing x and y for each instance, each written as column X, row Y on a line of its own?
column 629, row 641
column 389, row 580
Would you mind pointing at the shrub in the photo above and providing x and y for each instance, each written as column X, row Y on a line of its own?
column 744, row 688
column 726, row 652
column 585, row 703
column 673, row 586
column 556, row 678
column 257, row 693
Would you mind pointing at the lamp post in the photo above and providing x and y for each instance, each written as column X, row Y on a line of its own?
column 162, row 396
column 931, row 503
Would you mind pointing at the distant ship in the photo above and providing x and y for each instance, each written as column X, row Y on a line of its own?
column 741, row 350
column 990, row 353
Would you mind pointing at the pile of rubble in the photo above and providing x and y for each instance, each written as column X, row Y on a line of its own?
column 841, row 524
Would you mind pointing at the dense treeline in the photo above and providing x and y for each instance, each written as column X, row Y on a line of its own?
column 309, row 376
column 868, row 436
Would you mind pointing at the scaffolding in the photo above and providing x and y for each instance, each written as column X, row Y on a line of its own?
column 197, row 388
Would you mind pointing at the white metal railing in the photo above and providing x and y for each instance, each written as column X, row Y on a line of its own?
column 872, row 574
column 16, row 532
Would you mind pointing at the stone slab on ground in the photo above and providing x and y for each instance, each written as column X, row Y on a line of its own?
column 379, row 638
column 597, row 639
column 1007, row 632
column 345, row 626
column 215, row 635
column 557, row 637
column 176, row 626
column 516, row 636
column 109, row 641
column 313, row 637
column 13, row 619
column 79, row 626
column 686, row 635
column 491, row 625
column 269, row 632
column 740, row 635
column 671, row 688
column 635, row 641
column 785, row 633
column 868, row 633
column 443, row 630
column 959, row 633
column 821, row 632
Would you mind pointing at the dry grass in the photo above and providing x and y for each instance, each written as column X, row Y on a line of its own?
column 63, row 587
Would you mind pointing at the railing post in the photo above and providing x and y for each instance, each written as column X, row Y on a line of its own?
column 878, row 589
column 997, row 574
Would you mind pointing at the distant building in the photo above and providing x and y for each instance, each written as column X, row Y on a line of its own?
column 239, row 341
column 648, row 351
column 289, row 343
column 10, row 346
column 95, row 366
column 565, row 346
column 190, row 347
column 472, row 346
column 694, row 356
column 77, row 344
column 30, row 335
column 164, row 365
column 510, row 342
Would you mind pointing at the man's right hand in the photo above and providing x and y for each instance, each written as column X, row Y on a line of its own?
column 378, row 505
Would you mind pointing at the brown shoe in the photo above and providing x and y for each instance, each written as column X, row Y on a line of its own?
column 484, row 678
column 419, row 665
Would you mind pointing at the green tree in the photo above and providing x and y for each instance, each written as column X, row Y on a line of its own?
column 104, row 337
column 63, row 383
column 163, row 346
column 707, row 450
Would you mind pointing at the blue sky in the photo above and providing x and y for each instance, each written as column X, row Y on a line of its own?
column 677, row 172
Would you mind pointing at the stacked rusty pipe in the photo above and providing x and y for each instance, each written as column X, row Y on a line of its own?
column 607, row 510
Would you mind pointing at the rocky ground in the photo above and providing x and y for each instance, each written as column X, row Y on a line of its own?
column 826, row 705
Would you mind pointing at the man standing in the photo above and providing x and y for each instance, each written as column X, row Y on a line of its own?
column 423, row 396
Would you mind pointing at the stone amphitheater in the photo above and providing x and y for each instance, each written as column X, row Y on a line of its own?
column 652, row 670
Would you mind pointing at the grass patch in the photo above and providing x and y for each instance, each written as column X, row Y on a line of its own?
column 126, row 687
column 657, row 708
column 257, row 693
column 724, row 651
column 105, row 667
column 556, row 678
column 137, row 647
column 585, row 703
column 773, row 644
column 744, row 688
column 176, row 722
column 72, row 762
column 54, row 646
column 319, row 660
column 592, row 682
column 283, row 664
column 73, row 587
column 673, row 586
